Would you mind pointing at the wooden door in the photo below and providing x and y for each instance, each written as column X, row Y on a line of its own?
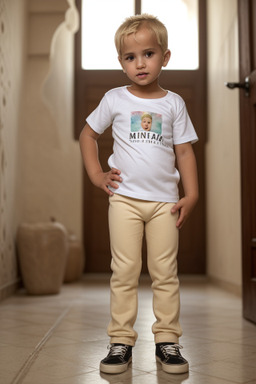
column 90, row 87
column 247, row 52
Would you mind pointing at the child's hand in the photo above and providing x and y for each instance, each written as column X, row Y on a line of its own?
column 104, row 180
column 184, row 207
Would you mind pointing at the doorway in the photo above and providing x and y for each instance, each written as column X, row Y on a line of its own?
column 90, row 86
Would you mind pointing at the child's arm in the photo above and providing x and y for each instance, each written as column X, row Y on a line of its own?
column 188, row 170
column 89, row 148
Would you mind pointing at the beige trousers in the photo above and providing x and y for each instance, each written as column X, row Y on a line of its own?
column 128, row 220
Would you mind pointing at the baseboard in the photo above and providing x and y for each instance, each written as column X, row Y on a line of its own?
column 9, row 289
column 229, row 287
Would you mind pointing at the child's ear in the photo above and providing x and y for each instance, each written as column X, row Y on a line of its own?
column 167, row 56
column 120, row 61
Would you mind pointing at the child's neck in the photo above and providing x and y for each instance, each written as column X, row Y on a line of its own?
column 147, row 92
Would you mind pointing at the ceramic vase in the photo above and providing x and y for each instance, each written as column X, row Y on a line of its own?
column 42, row 252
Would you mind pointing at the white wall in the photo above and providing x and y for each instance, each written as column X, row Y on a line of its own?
column 51, row 166
column 40, row 162
column 12, row 49
column 222, row 151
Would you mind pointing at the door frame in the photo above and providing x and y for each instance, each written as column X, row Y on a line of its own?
column 192, row 253
column 248, row 159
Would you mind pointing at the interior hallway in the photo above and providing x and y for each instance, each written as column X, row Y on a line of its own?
column 60, row 339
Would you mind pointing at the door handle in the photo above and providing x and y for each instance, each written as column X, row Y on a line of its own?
column 245, row 86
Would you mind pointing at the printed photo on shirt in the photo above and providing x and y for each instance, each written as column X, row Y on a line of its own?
column 146, row 128
column 146, row 121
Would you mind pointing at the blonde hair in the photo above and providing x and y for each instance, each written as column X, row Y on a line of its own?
column 146, row 114
column 134, row 23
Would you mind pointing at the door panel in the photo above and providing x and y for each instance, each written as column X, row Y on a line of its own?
column 90, row 88
column 247, row 52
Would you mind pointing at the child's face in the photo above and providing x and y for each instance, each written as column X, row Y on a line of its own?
column 146, row 123
column 142, row 58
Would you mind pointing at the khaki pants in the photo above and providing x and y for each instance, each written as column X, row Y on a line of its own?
column 128, row 218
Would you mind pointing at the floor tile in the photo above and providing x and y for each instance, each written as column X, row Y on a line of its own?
column 60, row 339
column 234, row 371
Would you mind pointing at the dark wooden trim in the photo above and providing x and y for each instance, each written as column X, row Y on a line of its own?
column 244, row 70
column 78, row 94
column 137, row 7
column 247, row 143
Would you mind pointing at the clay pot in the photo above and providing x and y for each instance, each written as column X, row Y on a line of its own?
column 75, row 260
column 42, row 251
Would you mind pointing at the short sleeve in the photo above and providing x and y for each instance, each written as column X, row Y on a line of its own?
column 183, row 129
column 101, row 118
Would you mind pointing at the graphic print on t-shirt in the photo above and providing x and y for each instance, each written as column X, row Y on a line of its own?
column 146, row 127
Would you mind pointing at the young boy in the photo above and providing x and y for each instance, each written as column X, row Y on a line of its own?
column 142, row 188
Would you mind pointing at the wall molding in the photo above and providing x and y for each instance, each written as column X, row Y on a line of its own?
column 227, row 286
column 9, row 289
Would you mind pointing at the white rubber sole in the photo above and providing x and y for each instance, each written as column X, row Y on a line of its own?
column 173, row 368
column 114, row 368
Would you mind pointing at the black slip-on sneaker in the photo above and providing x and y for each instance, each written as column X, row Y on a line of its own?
column 117, row 360
column 168, row 354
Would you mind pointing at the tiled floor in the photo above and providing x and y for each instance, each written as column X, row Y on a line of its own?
column 60, row 339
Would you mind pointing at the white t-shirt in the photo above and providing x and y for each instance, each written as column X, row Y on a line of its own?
column 145, row 156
